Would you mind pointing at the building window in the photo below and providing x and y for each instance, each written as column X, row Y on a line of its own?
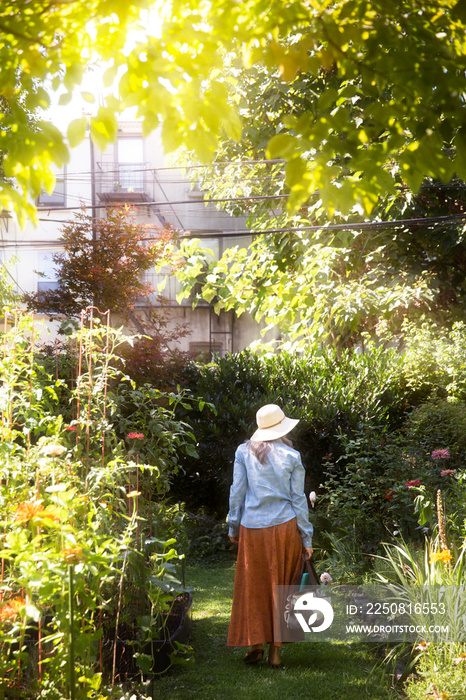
column 47, row 274
column 122, row 172
column 205, row 352
column 56, row 198
column 130, row 159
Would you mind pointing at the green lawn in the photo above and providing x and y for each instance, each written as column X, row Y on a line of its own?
column 324, row 671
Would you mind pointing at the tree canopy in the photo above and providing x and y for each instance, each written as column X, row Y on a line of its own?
column 397, row 107
column 364, row 101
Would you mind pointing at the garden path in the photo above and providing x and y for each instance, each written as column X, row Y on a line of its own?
column 311, row 671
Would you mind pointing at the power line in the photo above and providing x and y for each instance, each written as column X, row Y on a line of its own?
column 354, row 226
column 364, row 225
column 166, row 203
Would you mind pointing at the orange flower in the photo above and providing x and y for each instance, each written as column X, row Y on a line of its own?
column 73, row 555
column 444, row 556
column 460, row 659
column 49, row 515
column 10, row 610
column 28, row 510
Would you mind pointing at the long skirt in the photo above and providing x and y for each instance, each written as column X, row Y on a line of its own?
column 267, row 557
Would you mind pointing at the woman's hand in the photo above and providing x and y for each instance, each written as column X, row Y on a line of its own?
column 307, row 553
column 232, row 539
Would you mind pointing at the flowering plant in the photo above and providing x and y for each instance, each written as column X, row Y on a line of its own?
column 440, row 454
column 67, row 525
column 413, row 483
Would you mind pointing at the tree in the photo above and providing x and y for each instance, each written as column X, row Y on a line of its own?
column 103, row 265
column 317, row 272
column 396, row 110
column 47, row 46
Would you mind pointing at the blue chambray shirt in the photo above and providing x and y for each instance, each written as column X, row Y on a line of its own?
column 269, row 494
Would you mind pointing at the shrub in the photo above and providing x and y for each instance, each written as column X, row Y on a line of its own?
column 435, row 360
column 330, row 395
column 386, row 482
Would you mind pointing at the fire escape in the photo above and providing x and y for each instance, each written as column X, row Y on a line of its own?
column 129, row 183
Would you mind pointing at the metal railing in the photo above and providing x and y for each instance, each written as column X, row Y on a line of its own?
column 114, row 177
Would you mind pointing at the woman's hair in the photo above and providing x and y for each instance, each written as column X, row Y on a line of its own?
column 260, row 449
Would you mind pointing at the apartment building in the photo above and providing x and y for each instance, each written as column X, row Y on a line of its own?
column 131, row 171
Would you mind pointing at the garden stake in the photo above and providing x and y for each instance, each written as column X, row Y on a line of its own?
column 39, row 641
column 137, row 499
column 56, row 359
column 104, row 414
column 70, row 608
column 89, row 395
column 21, row 640
column 120, row 592
column 5, row 329
column 78, row 376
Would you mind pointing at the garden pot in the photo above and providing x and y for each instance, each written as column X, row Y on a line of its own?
column 160, row 649
column 178, row 627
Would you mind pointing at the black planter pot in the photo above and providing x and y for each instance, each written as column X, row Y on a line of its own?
column 158, row 649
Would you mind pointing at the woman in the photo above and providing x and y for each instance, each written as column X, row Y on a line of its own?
column 269, row 520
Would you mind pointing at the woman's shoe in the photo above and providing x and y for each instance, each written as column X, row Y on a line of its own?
column 253, row 656
column 274, row 653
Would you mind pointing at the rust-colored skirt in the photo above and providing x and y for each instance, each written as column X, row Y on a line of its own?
column 267, row 557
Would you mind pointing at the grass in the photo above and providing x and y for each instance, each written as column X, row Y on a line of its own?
column 324, row 671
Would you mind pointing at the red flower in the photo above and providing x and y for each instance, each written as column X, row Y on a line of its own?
column 413, row 483
column 135, row 436
column 389, row 493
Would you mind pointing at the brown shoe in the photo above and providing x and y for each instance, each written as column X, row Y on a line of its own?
column 253, row 656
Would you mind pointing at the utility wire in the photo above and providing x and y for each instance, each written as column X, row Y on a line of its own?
column 167, row 203
column 354, row 226
column 365, row 225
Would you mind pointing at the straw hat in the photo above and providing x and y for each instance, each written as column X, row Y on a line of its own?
column 272, row 423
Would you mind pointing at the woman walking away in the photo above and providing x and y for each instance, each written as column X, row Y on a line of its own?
column 269, row 520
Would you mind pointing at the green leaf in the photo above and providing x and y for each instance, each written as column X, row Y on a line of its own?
column 104, row 128
column 144, row 661
column 65, row 98
column 77, row 131
column 282, row 146
column 88, row 96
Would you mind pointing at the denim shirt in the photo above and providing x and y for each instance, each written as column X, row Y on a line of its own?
column 269, row 494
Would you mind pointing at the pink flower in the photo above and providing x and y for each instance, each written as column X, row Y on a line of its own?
column 70, row 427
column 440, row 454
column 446, row 472
column 135, row 436
column 413, row 483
